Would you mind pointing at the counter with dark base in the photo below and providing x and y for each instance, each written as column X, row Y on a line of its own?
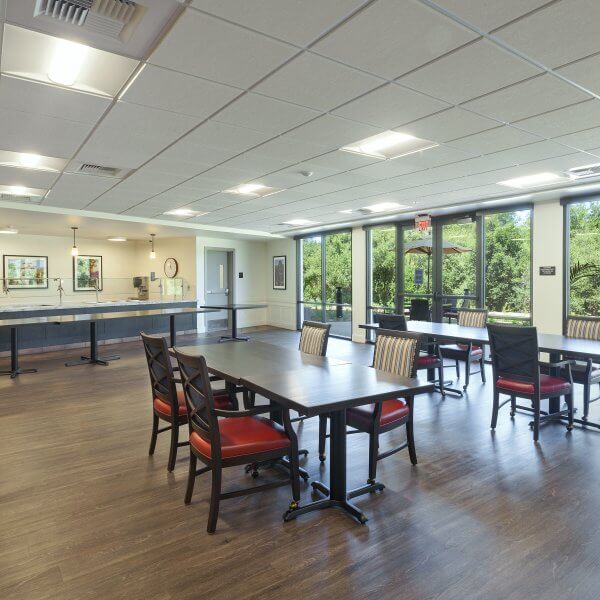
column 233, row 308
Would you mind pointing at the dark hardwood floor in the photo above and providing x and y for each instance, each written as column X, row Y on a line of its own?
column 85, row 513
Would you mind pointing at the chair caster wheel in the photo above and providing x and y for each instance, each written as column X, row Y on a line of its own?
column 304, row 476
column 302, row 452
column 322, row 457
column 255, row 474
column 293, row 505
column 464, row 388
column 363, row 519
column 512, row 414
column 569, row 427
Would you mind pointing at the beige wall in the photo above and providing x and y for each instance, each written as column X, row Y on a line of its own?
column 282, row 303
column 359, row 282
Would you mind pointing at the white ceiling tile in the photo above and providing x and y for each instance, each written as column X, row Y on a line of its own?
column 340, row 161
column 477, row 69
column 564, row 120
column 390, row 106
column 316, row 82
column 558, row 34
column 29, row 178
column 390, row 38
column 527, row 98
column 531, row 152
column 77, row 191
column 222, row 177
column 226, row 137
column 52, row 101
column 116, row 200
column 332, row 132
column 490, row 14
column 289, row 20
column 253, row 163
column 287, row 148
column 585, row 72
column 587, row 139
column 449, row 125
column 48, row 136
column 202, row 45
column 214, row 202
column 494, row 140
column 180, row 93
column 265, row 114
column 130, row 135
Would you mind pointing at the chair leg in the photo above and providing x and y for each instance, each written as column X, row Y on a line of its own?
column 295, row 480
column 215, row 497
column 569, row 401
column 441, row 376
column 457, row 369
column 536, row 420
column 322, row 436
column 154, row 434
column 513, row 406
column 191, row 478
column 467, row 374
column 482, row 370
column 373, row 451
column 496, row 402
column 410, row 438
column 586, row 400
column 174, row 442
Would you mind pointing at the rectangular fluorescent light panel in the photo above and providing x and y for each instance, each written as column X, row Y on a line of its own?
column 529, row 181
column 375, row 208
column 389, row 145
column 300, row 222
column 184, row 212
column 27, row 160
column 253, row 190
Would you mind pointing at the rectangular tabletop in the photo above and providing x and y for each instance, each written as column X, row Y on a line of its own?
column 234, row 306
column 316, row 390
column 479, row 335
column 232, row 362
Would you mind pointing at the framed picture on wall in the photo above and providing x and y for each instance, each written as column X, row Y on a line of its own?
column 87, row 270
column 279, row 273
column 25, row 272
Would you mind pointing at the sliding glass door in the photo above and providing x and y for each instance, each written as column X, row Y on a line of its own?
column 325, row 286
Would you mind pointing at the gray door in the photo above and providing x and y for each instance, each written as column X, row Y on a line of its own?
column 217, row 283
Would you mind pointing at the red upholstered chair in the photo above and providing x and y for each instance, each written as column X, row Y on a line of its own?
column 395, row 352
column 432, row 360
column 168, row 403
column 225, row 438
column 516, row 369
column 468, row 353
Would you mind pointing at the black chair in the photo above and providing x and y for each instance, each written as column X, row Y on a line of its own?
column 419, row 309
column 395, row 352
column 222, row 438
column 390, row 321
column 468, row 353
column 516, row 369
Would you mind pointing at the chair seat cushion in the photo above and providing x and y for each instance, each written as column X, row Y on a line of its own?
column 221, row 397
column 461, row 350
column 243, row 436
column 361, row 417
column 578, row 372
column 427, row 361
column 549, row 385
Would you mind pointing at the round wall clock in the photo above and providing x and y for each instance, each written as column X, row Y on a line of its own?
column 171, row 267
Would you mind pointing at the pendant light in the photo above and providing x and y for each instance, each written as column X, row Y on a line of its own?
column 152, row 253
column 74, row 249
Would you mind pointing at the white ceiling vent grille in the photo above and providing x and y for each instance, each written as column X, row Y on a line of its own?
column 4, row 197
column 586, row 171
column 90, row 169
column 105, row 17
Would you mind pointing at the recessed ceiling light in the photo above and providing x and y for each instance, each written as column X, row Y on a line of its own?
column 300, row 222
column 528, row 181
column 9, row 230
column 389, row 145
column 255, row 190
column 30, row 161
column 184, row 212
column 348, row 211
column 26, row 160
column 117, row 239
column 384, row 207
column 18, row 190
column 67, row 62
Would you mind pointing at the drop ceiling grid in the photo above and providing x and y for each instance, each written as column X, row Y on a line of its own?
column 468, row 107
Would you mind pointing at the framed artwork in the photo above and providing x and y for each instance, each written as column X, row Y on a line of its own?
column 279, row 273
column 25, row 272
column 87, row 269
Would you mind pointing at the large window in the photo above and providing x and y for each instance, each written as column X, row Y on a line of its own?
column 583, row 259
column 326, row 286
column 382, row 266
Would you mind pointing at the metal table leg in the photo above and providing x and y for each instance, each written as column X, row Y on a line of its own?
column 234, row 334
column 172, row 330
column 93, row 358
column 14, row 356
column 337, row 496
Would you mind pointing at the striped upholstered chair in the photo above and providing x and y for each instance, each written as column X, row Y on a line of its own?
column 468, row 353
column 314, row 337
column 585, row 373
column 395, row 352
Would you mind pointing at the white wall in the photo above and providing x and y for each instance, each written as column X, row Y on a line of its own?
column 359, row 279
column 282, row 303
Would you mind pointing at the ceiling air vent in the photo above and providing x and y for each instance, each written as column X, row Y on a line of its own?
column 7, row 197
column 98, row 170
column 586, row 171
column 105, row 17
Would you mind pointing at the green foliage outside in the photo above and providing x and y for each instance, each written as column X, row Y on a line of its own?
column 584, row 242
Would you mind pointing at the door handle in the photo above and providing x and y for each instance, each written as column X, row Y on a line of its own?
column 227, row 292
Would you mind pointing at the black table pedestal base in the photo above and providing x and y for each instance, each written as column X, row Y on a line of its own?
column 369, row 488
column 354, row 511
column 234, row 337
column 18, row 371
column 15, row 370
column 93, row 358
column 229, row 338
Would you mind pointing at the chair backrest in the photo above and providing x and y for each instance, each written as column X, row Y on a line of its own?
column 515, row 353
column 314, row 337
column 160, row 369
column 396, row 352
column 419, row 309
column 390, row 321
column 199, row 399
column 584, row 328
column 472, row 317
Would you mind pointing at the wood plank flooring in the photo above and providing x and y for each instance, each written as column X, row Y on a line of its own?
column 85, row 513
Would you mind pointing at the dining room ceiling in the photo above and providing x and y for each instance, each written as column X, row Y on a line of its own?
column 206, row 96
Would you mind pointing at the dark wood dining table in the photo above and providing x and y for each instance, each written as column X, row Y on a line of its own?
column 310, row 385
column 233, row 308
column 555, row 345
